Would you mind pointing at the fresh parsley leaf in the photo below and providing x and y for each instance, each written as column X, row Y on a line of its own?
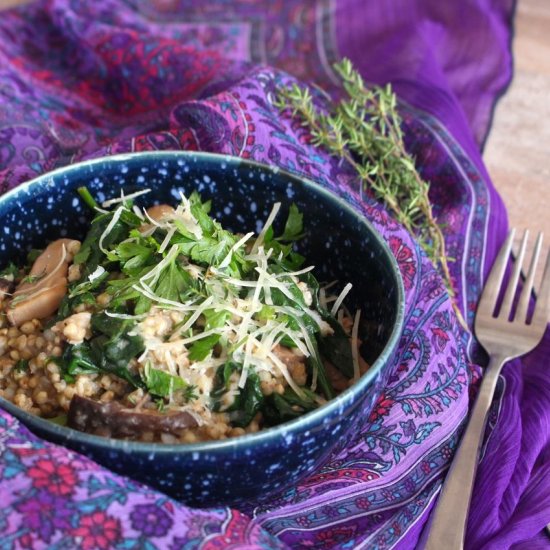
column 134, row 254
column 266, row 313
column 173, row 283
column 22, row 365
column 209, row 251
column 200, row 211
column 203, row 347
column 10, row 272
column 90, row 254
column 161, row 383
column 215, row 319
column 294, row 226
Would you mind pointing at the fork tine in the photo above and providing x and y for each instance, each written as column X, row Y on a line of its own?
column 542, row 307
column 506, row 306
column 493, row 283
column 523, row 304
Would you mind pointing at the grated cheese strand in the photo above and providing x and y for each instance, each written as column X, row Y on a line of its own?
column 200, row 336
column 100, row 270
column 197, row 313
column 284, row 371
column 124, row 197
column 137, row 212
column 267, row 225
column 340, row 299
column 227, row 260
column 116, row 216
column 124, row 315
column 294, row 273
column 144, row 289
column 155, row 272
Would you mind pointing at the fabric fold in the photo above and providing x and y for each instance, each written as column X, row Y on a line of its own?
column 82, row 80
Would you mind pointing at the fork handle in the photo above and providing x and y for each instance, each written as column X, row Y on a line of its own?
column 449, row 520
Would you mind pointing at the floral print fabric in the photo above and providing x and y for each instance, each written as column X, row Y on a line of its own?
column 82, row 80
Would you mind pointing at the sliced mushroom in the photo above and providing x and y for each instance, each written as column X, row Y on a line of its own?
column 156, row 213
column 39, row 296
column 113, row 420
column 159, row 211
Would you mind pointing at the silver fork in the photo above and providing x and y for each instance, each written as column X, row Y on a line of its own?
column 503, row 340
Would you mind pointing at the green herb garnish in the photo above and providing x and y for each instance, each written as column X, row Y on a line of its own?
column 22, row 365
column 364, row 128
column 229, row 293
column 162, row 384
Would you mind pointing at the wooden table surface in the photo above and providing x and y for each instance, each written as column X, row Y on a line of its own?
column 517, row 153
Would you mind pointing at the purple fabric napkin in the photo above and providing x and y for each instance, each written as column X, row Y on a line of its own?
column 80, row 80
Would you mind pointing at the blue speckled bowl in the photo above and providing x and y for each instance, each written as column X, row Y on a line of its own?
column 342, row 245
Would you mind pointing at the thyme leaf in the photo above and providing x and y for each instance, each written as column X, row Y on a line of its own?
column 364, row 129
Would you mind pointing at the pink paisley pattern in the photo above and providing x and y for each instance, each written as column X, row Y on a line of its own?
column 80, row 80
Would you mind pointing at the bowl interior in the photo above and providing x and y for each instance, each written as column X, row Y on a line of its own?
column 339, row 242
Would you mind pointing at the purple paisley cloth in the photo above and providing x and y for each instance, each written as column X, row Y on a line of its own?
column 85, row 79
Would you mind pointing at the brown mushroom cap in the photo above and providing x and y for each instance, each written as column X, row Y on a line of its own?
column 158, row 211
column 40, row 298
column 113, row 420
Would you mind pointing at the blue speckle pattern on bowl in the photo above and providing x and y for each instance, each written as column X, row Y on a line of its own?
column 339, row 242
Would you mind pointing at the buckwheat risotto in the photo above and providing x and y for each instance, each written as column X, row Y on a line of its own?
column 163, row 326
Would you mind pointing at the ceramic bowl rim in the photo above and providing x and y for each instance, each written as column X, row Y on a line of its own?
column 248, row 441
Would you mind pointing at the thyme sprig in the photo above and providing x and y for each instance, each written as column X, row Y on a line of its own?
column 364, row 128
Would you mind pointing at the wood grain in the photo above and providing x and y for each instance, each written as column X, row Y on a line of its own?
column 517, row 153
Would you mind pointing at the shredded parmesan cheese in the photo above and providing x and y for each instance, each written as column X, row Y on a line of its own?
column 124, row 198
column 340, row 298
column 267, row 225
column 227, row 260
column 100, row 270
column 116, row 216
